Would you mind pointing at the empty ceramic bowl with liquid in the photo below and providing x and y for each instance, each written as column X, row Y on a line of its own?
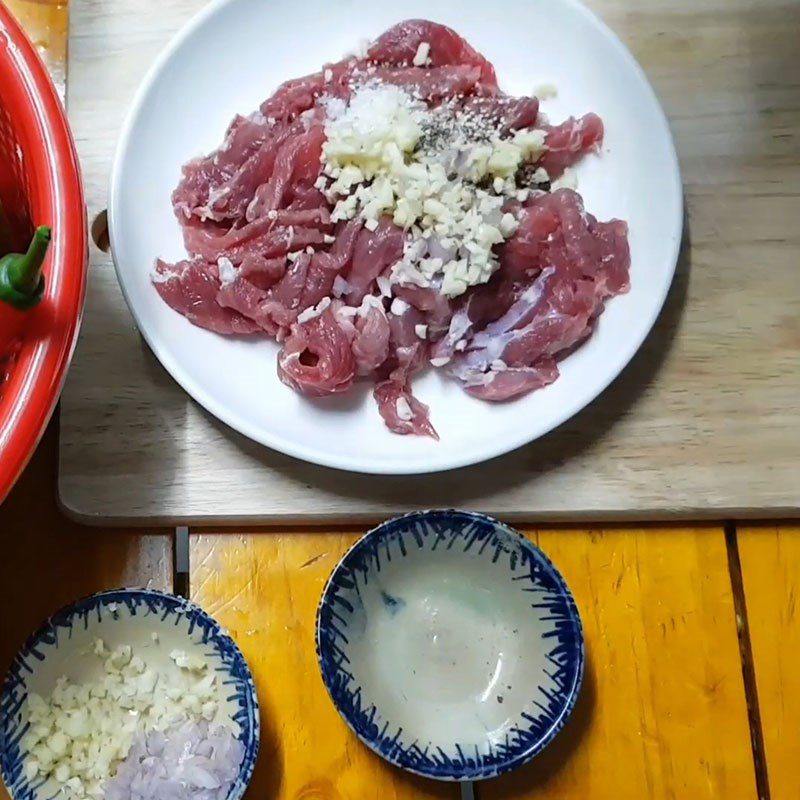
column 450, row 644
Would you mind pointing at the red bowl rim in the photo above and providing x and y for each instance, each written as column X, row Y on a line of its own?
column 56, row 198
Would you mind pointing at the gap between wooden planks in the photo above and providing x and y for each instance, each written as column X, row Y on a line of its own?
column 770, row 559
column 662, row 713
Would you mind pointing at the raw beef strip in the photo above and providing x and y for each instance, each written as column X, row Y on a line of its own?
column 306, row 198
column 201, row 176
column 324, row 267
column 294, row 97
column 298, row 159
column 401, row 411
column 408, row 351
column 515, row 381
column 269, row 244
column 375, row 252
column 508, row 113
column 371, row 340
column 316, row 358
column 398, row 46
column 436, row 307
column 229, row 199
column 262, row 272
column 275, row 309
column 190, row 288
column 568, row 142
column 438, row 83
column 212, row 240
column 583, row 262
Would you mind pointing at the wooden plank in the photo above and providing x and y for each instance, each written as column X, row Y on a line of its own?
column 264, row 588
column 770, row 559
column 46, row 23
column 662, row 714
column 725, row 351
column 663, row 711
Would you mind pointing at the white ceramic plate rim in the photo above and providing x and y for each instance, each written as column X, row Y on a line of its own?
column 673, row 224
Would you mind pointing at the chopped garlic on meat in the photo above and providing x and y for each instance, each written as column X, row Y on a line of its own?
column 384, row 286
column 403, row 408
column 377, row 165
column 422, row 56
column 540, row 175
column 398, row 307
column 312, row 312
column 568, row 180
column 227, row 272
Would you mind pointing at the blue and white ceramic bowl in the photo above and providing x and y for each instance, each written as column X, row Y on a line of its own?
column 149, row 621
column 450, row 644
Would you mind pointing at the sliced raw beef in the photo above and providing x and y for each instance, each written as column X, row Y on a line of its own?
column 435, row 84
column 191, row 288
column 507, row 113
column 569, row 142
column 371, row 340
column 317, row 358
column 401, row 411
column 266, row 258
column 375, row 252
column 586, row 262
column 400, row 44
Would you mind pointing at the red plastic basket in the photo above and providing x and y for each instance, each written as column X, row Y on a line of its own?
column 40, row 184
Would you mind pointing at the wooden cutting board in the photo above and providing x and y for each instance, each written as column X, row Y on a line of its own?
column 702, row 424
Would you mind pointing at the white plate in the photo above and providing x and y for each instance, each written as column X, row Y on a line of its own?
column 233, row 56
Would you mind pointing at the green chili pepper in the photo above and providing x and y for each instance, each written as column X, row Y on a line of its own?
column 21, row 279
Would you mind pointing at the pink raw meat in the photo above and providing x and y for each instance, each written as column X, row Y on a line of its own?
column 568, row 142
column 190, row 288
column 387, row 394
column 436, row 307
column 255, row 202
column 586, row 263
column 262, row 272
column 408, row 351
column 317, row 358
column 201, row 176
column 435, row 84
column 375, row 252
column 271, row 243
column 325, row 266
column 298, row 159
column 515, row 381
column 371, row 340
column 508, row 113
column 398, row 46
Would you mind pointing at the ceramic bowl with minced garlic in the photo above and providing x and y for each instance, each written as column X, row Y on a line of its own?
column 128, row 695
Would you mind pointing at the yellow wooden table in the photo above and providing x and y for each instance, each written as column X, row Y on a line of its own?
column 692, row 689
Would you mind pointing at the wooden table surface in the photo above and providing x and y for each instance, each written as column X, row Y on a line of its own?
column 692, row 689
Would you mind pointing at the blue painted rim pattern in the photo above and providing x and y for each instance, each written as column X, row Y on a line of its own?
column 567, row 654
column 147, row 601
